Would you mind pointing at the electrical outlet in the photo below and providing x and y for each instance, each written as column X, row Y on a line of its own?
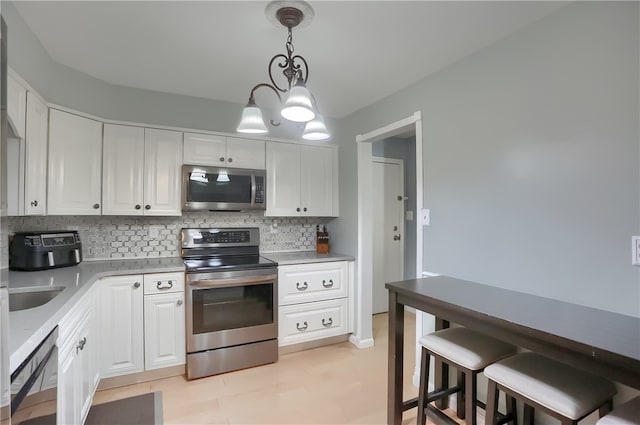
column 154, row 232
column 635, row 250
column 425, row 216
column 274, row 227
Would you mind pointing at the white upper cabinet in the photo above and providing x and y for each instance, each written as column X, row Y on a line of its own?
column 141, row 171
column 75, row 164
column 123, row 174
column 162, row 172
column 220, row 151
column 35, row 172
column 301, row 180
column 16, row 106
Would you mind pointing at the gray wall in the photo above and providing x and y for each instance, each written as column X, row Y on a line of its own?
column 67, row 87
column 405, row 150
column 531, row 159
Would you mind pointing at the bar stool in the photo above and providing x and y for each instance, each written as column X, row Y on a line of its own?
column 557, row 389
column 469, row 352
column 625, row 414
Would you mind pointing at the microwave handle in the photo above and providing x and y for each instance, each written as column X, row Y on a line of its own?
column 253, row 190
column 234, row 281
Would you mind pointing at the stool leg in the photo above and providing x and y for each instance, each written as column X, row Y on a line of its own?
column 424, row 386
column 606, row 408
column 471, row 381
column 529, row 415
column 512, row 409
column 460, row 397
column 492, row 403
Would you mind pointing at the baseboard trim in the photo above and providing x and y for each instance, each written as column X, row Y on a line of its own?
column 286, row 349
column 136, row 378
column 361, row 343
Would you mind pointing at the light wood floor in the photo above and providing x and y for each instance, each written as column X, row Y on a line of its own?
column 336, row 384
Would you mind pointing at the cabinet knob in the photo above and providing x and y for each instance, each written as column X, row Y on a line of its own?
column 138, row 206
column 297, row 209
column 302, row 328
column 136, row 285
column 147, row 207
column 96, row 206
column 229, row 159
column 179, row 302
column 222, row 159
column 34, row 203
column 304, row 209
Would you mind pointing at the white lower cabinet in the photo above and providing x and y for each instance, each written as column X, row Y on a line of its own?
column 142, row 322
column 313, row 301
column 164, row 320
column 120, row 320
column 78, row 372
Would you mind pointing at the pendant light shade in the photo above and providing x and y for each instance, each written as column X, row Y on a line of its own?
column 251, row 121
column 298, row 106
column 316, row 129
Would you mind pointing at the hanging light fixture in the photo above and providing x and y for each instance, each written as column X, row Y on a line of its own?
column 300, row 105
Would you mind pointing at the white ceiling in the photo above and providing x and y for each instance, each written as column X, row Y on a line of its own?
column 358, row 51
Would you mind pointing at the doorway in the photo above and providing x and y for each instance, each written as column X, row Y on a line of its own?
column 388, row 224
column 363, row 335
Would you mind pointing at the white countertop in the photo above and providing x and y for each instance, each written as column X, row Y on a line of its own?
column 29, row 327
column 300, row 257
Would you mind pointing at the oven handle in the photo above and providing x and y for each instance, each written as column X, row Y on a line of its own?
column 234, row 281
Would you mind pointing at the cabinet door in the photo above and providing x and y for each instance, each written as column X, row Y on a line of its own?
column 283, row 179
column 164, row 333
column 75, row 164
column 205, row 149
column 162, row 168
column 316, row 181
column 16, row 106
column 123, row 174
column 120, row 324
column 68, row 388
column 89, row 377
column 245, row 153
column 35, row 179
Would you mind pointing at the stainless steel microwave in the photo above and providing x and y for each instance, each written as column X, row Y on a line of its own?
column 216, row 189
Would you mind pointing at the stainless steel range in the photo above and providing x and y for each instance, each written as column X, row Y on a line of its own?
column 232, row 299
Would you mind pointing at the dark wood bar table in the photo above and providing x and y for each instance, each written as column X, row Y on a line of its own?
column 597, row 341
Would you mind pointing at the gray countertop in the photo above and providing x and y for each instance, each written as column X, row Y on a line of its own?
column 29, row 327
column 300, row 257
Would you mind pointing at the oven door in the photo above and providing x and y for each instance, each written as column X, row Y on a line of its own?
column 230, row 308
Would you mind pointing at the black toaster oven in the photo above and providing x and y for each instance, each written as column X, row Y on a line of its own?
column 44, row 250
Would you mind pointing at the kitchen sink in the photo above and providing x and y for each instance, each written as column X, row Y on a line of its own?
column 31, row 297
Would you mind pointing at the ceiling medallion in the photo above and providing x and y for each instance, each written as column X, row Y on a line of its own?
column 300, row 105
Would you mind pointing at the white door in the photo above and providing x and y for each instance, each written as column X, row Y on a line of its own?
column 316, row 181
column 162, row 168
column 123, row 162
column 388, row 220
column 75, row 165
column 35, row 179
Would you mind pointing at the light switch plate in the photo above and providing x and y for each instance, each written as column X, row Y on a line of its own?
column 425, row 216
column 635, row 250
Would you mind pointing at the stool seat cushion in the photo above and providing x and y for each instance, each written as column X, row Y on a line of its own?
column 556, row 386
column 625, row 414
column 470, row 349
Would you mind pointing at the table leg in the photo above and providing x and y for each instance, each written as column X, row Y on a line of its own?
column 441, row 378
column 396, row 360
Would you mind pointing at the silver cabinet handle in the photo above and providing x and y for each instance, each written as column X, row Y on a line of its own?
column 96, row 206
column 179, row 302
column 136, row 285
column 327, row 285
column 302, row 328
column 302, row 287
column 160, row 286
column 81, row 344
column 34, row 203
column 327, row 323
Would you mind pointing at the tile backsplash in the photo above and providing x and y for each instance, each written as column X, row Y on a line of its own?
column 105, row 237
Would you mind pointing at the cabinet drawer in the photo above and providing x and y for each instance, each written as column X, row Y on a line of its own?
column 160, row 283
column 307, row 322
column 312, row 282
